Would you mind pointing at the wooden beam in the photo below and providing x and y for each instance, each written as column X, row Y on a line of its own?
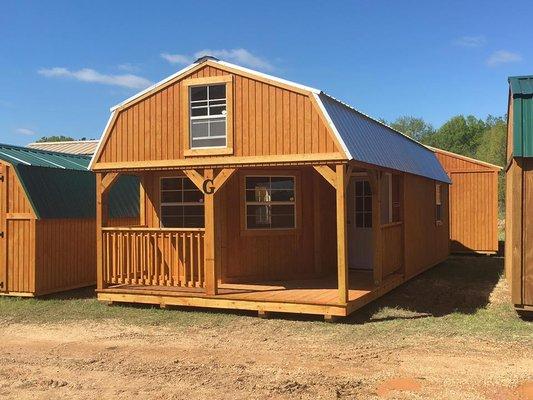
column 317, row 234
column 348, row 175
column 101, row 199
column 195, row 177
column 342, row 248
column 222, row 177
column 108, row 180
column 209, row 240
column 328, row 174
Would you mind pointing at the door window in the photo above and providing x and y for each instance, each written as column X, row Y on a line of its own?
column 363, row 204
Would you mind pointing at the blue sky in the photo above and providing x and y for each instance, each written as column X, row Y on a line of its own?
column 64, row 63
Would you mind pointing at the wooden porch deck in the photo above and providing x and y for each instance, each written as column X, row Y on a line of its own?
column 311, row 296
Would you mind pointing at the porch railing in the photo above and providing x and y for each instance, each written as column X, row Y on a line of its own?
column 392, row 247
column 146, row 256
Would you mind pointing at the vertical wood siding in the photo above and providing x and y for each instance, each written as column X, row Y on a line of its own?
column 267, row 120
column 426, row 243
column 66, row 254
column 527, row 246
column 473, row 205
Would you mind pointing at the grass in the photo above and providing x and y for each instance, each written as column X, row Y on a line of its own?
column 465, row 296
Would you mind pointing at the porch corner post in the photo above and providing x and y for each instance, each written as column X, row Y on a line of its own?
column 210, row 239
column 342, row 248
column 101, row 206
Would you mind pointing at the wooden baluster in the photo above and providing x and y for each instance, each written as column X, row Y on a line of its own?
column 199, row 241
column 191, row 258
column 128, row 258
column 114, row 262
column 186, row 262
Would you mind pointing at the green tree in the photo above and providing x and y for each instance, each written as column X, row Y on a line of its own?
column 413, row 127
column 460, row 135
column 57, row 138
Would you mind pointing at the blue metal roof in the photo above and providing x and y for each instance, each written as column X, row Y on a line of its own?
column 372, row 142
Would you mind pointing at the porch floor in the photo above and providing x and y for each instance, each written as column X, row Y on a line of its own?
column 310, row 296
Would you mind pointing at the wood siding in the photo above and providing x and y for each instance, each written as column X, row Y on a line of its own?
column 66, row 254
column 426, row 243
column 267, row 120
column 473, row 204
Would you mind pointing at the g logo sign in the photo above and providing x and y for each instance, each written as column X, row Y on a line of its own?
column 208, row 186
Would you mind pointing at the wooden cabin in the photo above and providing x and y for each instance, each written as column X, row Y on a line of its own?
column 519, row 192
column 262, row 194
column 47, row 220
column 473, row 203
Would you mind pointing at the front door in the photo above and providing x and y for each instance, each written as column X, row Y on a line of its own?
column 360, row 249
column 3, row 238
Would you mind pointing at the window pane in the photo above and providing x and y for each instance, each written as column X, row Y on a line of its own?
column 209, row 143
column 171, row 222
column 261, row 214
column 171, row 183
column 359, row 220
column 193, row 196
column 198, row 93
column 359, row 188
column 254, row 181
column 217, row 110
column 255, row 223
column 283, row 209
column 282, row 182
column 198, row 111
column 217, row 91
column 171, row 197
column 367, row 188
column 172, row 210
column 193, row 211
column 282, row 195
column 368, row 203
column 368, row 220
column 218, row 127
column 199, row 129
column 282, row 221
column 259, row 194
column 359, row 203
column 193, row 222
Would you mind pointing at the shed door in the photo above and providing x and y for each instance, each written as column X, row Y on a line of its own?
column 360, row 248
column 3, row 238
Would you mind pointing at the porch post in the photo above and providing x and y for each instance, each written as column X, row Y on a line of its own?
column 209, row 239
column 377, row 264
column 101, row 219
column 342, row 249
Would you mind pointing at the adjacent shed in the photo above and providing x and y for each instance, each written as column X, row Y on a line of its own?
column 85, row 147
column 473, row 203
column 47, row 220
column 519, row 192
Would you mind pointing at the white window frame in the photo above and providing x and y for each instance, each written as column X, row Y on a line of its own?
column 208, row 117
column 270, row 203
column 174, row 203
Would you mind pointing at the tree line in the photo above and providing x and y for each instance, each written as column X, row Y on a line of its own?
column 483, row 139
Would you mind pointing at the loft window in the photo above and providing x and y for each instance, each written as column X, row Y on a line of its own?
column 270, row 202
column 438, row 204
column 207, row 116
column 182, row 204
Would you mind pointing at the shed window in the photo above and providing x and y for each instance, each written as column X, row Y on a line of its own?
column 270, row 202
column 207, row 116
column 182, row 204
column 438, row 204
column 363, row 204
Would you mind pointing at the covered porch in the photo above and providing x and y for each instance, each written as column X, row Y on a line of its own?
column 195, row 266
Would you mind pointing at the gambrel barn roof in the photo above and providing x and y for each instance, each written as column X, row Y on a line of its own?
column 361, row 137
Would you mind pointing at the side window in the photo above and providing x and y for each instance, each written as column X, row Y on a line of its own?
column 438, row 204
column 363, row 204
column 270, row 202
column 182, row 204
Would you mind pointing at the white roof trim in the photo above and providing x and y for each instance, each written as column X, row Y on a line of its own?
column 96, row 152
column 15, row 158
column 333, row 127
column 49, row 162
column 266, row 76
column 155, row 85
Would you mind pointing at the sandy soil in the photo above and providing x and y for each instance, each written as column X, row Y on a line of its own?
column 249, row 359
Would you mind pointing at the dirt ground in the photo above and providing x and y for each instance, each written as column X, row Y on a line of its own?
column 244, row 357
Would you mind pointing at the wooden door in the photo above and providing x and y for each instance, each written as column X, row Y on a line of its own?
column 3, row 233
column 360, row 247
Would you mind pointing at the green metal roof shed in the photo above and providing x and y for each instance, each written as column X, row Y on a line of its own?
column 521, row 88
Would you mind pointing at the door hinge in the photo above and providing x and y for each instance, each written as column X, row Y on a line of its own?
column 1, row 285
column 1, row 178
column 1, row 234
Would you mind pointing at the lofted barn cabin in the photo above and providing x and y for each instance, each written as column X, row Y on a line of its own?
column 519, row 193
column 473, row 203
column 47, row 220
column 262, row 194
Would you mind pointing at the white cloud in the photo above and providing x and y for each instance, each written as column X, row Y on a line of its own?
column 25, row 132
column 238, row 56
column 90, row 75
column 471, row 41
column 503, row 57
column 128, row 67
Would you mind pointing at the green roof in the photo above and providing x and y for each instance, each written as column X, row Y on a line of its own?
column 522, row 99
column 59, row 185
